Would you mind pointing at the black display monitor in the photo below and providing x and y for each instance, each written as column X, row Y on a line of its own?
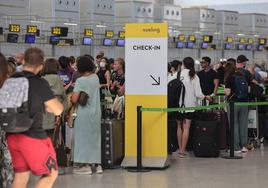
column 54, row 40
column 87, row 41
column 120, row 42
column 179, row 44
column 248, row 47
column 30, row 39
column 190, row 45
column 204, row 45
column 1, row 31
column 107, row 42
column 260, row 47
column 240, row 47
column 227, row 46
column 12, row 37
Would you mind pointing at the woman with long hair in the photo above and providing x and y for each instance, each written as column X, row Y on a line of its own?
column 193, row 92
column 6, row 169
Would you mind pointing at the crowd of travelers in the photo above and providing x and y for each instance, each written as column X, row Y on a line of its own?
column 74, row 93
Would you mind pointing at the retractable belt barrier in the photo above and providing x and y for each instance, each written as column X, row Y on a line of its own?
column 231, row 104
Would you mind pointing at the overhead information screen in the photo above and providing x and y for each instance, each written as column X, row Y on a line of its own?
column 109, row 33
column 230, row 39
column 207, row 38
column 250, row 40
column 192, row 38
column 32, row 29
column 262, row 41
column 181, row 37
column 121, row 34
column 88, row 32
column 14, row 28
column 59, row 31
column 1, row 31
column 242, row 40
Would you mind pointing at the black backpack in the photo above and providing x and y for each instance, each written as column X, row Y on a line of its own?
column 241, row 86
column 14, row 104
column 176, row 93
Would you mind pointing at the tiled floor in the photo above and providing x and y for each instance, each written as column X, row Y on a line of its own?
column 251, row 171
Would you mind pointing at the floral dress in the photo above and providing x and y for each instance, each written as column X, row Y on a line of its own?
column 6, row 168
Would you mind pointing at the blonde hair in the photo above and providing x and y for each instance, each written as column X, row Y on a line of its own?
column 121, row 61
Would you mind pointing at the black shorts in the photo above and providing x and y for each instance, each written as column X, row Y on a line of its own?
column 182, row 116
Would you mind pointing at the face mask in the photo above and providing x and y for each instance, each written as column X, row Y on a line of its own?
column 102, row 64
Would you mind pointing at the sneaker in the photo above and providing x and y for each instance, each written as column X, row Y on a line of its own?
column 83, row 171
column 61, row 171
column 244, row 150
column 237, row 151
column 99, row 170
column 182, row 155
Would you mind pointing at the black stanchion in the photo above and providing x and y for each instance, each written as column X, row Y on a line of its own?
column 139, row 167
column 232, row 156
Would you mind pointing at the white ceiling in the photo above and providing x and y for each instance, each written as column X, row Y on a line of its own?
column 213, row 2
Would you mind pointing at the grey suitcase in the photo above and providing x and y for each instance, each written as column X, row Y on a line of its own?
column 112, row 131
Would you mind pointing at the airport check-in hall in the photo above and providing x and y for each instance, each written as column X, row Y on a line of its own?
column 133, row 93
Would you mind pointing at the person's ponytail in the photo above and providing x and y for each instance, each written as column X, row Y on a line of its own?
column 192, row 73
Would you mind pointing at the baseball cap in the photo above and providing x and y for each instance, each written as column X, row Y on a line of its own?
column 241, row 59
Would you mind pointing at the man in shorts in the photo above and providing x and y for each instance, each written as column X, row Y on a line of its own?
column 32, row 151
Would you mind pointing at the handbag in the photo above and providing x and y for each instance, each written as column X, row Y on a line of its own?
column 108, row 99
column 70, row 114
column 60, row 147
column 83, row 98
column 118, row 106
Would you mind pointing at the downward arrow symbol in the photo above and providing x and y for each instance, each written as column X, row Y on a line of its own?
column 156, row 82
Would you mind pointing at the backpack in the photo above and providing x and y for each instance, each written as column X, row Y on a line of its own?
column 241, row 87
column 176, row 93
column 14, row 104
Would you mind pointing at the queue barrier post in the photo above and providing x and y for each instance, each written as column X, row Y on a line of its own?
column 139, row 167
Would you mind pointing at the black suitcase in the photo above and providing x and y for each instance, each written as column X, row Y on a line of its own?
column 206, row 139
column 112, row 132
column 172, row 136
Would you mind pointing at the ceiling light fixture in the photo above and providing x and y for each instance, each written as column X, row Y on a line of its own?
column 73, row 24
column 36, row 21
column 101, row 26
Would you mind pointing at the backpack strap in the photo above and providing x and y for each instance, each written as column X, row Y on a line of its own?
column 183, row 96
column 23, row 74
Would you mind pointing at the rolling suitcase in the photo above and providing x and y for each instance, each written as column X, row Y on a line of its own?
column 206, row 139
column 210, row 133
column 112, row 133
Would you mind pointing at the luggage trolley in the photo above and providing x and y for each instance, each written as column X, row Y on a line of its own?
column 254, row 127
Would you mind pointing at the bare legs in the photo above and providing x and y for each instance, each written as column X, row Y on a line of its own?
column 183, row 134
column 21, row 180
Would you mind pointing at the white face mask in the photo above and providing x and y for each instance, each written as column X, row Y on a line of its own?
column 102, row 64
